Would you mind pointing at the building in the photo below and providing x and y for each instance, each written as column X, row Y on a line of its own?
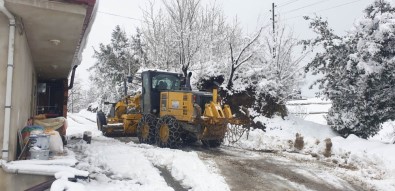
column 41, row 42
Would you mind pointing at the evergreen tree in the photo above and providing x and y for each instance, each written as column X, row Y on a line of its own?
column 359, row 71
column 115, row 61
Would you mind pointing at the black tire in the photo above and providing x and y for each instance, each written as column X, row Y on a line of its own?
column 188, row 139
column 212, row 143
column 168, row 132
column 146, row 129
column 100, row 120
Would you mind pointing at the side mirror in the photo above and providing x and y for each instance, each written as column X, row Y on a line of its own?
column 130, row 79
column 217, row 84
column 106, row 103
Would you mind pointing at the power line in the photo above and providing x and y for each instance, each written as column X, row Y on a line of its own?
column 112, row 14
column 338, row 6
column 287, row 3
column 309, row 5
column 322, row 10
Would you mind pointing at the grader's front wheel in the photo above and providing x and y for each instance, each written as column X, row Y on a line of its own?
column 212, row 143
column 146, row 129
column 168, row 132
column 100, row 120
column 188, row 139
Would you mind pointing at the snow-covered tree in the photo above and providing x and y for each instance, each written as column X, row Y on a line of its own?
column 239, row 54
column 139, row 49
column 186, row 24
column 214, row 51
column 189, row 36
column 265, row 71
column 280, row 73
column 158, row 38
column 184, row 35
column 76, row 98
column 359, row 70
column 115, row 61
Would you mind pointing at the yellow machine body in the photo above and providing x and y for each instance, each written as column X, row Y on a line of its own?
column 191, row 114
column 177, row 104
column 127, row 115
column 213, row 121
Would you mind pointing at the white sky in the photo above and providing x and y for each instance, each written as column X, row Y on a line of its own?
column 250, row 13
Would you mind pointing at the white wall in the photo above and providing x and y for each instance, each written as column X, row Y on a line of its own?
column 23, row 84
column 3, row 69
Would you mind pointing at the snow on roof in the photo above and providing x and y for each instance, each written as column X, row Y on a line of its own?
column 141, row 70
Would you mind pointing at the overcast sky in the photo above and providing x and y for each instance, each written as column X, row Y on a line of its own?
column 251, row 14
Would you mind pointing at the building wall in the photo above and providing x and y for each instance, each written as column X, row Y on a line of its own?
column 3, row 70
column 23, row 84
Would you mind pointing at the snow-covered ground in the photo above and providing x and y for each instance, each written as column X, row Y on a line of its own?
column 312, row 109
column 115, row 165
column 371, row 160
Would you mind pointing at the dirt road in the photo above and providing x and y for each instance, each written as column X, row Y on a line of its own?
column 251, row 170
column 259, row 171
column 248, row 171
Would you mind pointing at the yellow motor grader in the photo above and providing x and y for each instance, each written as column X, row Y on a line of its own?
column 167, row 114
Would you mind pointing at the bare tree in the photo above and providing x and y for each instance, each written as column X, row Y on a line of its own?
column 158, row 38
column 214, row 34
column 241, row 57
column 184, row 34
column 283, row 66
column 76, row 98
column 186, row 25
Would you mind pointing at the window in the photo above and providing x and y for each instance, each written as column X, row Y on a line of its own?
column 165, row 82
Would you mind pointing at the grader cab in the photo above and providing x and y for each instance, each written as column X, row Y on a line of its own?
column 167, row 114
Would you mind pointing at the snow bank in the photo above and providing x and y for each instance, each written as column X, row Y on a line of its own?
column 118, row 166
column 280, row 134
column 80, row 122
column 114, row 165
column 376, row 151
column 387, row 134
column 374, row 161
column 62, row 182
column 48, row 170
column 185, row 167
column 91, row 116
column 45, row 167
column 120, row 161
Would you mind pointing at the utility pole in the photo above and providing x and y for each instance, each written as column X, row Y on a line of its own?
column 274, row 30
column 273, row 17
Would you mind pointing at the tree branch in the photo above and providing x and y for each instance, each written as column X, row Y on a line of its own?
column 249, row 44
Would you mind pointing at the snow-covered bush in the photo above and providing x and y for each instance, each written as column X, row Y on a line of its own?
column 254, row 77
column 359, row 70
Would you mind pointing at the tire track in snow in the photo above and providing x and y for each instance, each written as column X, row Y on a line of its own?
column 176, row 185
column 112, row 163
column 247, row 170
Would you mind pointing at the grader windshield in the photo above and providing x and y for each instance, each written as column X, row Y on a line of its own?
column 165, row 82
column 155, row 82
